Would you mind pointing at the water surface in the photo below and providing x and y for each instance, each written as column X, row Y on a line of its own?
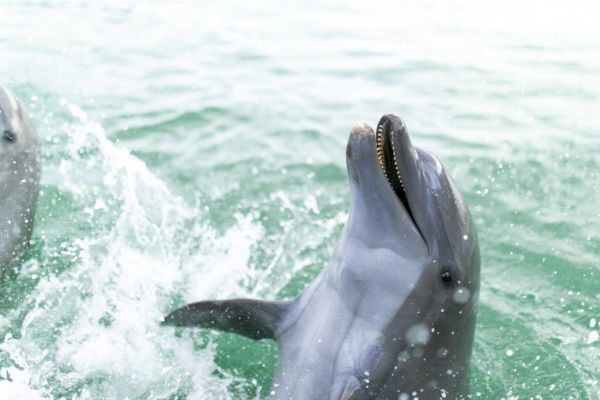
column 197, row 151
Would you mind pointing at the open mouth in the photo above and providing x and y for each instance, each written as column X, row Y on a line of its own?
column 388, row 159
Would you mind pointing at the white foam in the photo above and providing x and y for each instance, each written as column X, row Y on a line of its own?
column 14, row 380
column 97, row 324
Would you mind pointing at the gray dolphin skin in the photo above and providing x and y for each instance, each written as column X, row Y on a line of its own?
column 19, row 178
column 392, row 316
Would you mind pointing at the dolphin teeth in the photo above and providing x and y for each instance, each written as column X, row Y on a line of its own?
column 379, row 140
column 380, row 152
column 396, row 163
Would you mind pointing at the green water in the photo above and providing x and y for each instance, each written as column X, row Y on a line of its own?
column 197, row 151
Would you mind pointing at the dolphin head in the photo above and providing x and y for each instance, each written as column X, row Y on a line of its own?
column 19, row 177
column 422, row 245
column 18, row 146
column 393, row 313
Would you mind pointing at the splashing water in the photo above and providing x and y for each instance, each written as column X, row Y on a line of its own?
column 201, row 155
column 94, row 329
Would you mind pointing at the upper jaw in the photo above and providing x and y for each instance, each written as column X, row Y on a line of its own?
column 377, row 208
column 400, row 164
column 390, row 142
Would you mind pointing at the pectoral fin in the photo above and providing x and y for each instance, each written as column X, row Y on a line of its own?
column 255, row 319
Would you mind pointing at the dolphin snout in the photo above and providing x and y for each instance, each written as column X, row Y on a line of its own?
column 361, row 158
column 361, row 129
column 361, row 142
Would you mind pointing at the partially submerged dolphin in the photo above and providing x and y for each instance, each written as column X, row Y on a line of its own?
column 392, row 316
column 19, row 178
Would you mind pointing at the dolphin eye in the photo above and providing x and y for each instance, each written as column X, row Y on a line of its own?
column 9, row 136
column 446, row 277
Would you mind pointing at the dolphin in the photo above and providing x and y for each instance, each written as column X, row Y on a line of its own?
column 392, row 316
column 19, row 178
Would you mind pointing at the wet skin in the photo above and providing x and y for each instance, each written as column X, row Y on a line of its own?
column 19, row 178
column 393, row 313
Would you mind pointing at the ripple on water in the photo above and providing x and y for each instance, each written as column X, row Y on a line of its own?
column 235, row 181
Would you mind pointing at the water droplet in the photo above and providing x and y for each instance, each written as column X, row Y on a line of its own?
column 418, row 334
column 509, row 352
column 465, row 237
column 404, row 356
column 417, row 352
column 442, row 352
column 461, row 295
